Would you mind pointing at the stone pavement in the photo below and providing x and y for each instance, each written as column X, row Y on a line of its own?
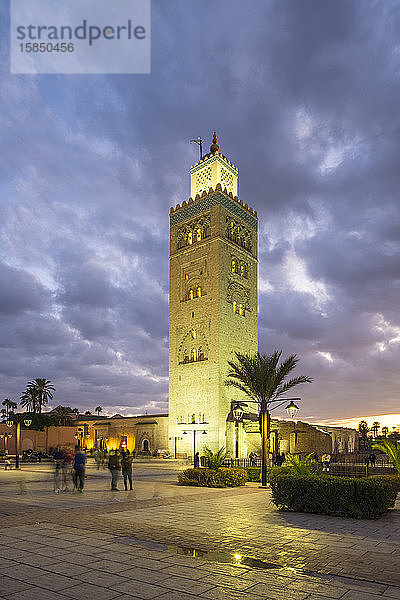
column 101, row 545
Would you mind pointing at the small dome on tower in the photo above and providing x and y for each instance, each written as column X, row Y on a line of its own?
column 214, row 146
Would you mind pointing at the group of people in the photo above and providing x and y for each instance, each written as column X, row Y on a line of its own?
column 118, row 462
column 370, row 460
column 253, row 459
column 69, row 466
column 72, row 466
column 278, row 459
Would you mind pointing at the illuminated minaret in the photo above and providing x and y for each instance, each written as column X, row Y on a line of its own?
column 212, row 305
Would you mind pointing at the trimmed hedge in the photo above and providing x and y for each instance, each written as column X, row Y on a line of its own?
column 254, row 473
column 232, row 477
column 364, row 498
column 223, row 477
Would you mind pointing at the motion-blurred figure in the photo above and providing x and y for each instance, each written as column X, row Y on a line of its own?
column 115, row 467
column 58, row 458
column 126, row 465
column 79, row 469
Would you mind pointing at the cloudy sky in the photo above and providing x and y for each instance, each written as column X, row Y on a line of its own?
column 305, row 99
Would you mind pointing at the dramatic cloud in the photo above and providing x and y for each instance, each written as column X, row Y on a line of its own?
column 304, row 97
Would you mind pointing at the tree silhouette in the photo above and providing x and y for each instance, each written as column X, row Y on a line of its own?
column 62, row 415
column 43, row 390
column 9, row 405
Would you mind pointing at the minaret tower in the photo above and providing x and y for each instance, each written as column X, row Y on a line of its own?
column 212, row 305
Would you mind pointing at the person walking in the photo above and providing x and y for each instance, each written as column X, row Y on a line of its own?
column 196, row 463
column 326, row 461
column 58, row 458
column 115, row 467
column 372, row 459
column 79, row 469
column 126, row 466
column 67, row 469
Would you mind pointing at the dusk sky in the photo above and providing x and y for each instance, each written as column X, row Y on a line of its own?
column 305, row 98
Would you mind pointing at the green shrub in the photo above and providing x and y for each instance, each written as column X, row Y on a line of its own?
column 231, row 477
column 253, row 473
column 199, row 477
column 392, row 449
column 215, row 460
column 393, row 481
column 302, row 465
column 223, row 477
column 364, row 498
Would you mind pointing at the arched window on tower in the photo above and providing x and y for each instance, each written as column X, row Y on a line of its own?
column 198, row 234
column 190, row 238
column 193, row 420
column 198, row 291
column 234, row 306
column 191, row 294
column 233, row 266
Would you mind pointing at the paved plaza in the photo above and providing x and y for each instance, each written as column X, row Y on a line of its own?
column 181, row 543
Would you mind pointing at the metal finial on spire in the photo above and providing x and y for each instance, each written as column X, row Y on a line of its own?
column 214, row 146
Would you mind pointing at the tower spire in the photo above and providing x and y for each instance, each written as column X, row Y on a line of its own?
column 214, row 146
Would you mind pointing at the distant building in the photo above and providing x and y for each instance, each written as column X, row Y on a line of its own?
column 143, row 433
column 299, row 437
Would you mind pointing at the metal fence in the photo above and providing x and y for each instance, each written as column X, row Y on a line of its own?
column 349, row 465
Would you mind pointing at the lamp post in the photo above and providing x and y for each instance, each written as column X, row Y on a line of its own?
column 16, row 420
column 237, row 412
column 6, row 437
column 265, row 427
column 203, row 432
column 176, row 439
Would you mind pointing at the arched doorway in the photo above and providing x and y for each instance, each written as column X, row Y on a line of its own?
column 27, row 444
column 145, row 446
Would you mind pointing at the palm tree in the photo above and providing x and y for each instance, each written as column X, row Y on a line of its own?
column 87, row 412
column 375, row 428
column 262, row 377
column 98, row 409
column 392, row 449
column 10, row 406
column 76, row 411
column 385, row 431
column 43, row 389
column 363, row 429
column 28, row 400
column 62, row 415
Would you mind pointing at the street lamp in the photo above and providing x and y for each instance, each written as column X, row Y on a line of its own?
column 16, row 420
column 176, row 439
column 6, row 437
column 236, row 415
column 203, row 432
column 292, row 408
column 265, row 427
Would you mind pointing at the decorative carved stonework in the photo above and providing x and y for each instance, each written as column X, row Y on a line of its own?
column 239, row 294
column 193, row 347
column 238, row 234
column 194, row 231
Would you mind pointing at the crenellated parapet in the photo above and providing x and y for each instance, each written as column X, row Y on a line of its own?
column 211, row 191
